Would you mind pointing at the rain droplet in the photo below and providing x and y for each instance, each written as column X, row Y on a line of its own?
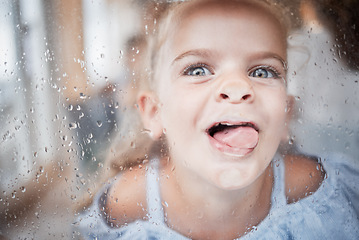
column 83, row 96
column 99, row 123
column 73, row 125
column 23, row 189
column 145, row 130
column 165, row 204
column 291, row 140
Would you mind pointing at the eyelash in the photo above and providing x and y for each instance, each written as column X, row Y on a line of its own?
column 276, row 74
column 196, row 65
column 273, row 70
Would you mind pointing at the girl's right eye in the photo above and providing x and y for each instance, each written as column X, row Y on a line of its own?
column 197, row 70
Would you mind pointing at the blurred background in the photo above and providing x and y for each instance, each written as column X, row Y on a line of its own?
column 64, row 88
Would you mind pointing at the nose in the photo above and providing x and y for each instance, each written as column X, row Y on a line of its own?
column 235, row 89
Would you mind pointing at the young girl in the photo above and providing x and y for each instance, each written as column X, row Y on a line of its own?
column 217, row 110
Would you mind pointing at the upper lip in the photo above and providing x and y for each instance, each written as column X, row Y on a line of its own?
column 217, row 124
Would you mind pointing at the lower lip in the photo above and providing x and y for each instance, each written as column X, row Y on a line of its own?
column 230, row 151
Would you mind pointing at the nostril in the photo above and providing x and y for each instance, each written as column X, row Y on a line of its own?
column 224, row 96
column 245, row 97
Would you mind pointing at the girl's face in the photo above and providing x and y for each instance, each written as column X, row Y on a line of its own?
column 221, row 92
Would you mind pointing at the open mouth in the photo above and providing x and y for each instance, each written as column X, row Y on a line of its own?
column 238, row 139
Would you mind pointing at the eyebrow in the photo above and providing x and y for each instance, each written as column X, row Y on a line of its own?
column 271, row 55
column 196, row 52
column 204, row 53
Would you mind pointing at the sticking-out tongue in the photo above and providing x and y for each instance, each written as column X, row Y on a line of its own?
column 238, row 137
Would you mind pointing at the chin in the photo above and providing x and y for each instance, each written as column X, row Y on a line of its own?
column 233, row 179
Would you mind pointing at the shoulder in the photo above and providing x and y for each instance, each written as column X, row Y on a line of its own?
column 126, row 199
column 303, row 176
column 333, row 205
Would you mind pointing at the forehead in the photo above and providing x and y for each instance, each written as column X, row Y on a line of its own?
column 203, row 22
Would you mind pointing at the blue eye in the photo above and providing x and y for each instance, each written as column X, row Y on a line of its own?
column 197, row 71
column 263, row 73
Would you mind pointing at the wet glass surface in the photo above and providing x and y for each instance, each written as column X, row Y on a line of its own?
column 67, row 84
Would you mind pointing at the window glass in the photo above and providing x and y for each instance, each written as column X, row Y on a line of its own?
column 70, row 74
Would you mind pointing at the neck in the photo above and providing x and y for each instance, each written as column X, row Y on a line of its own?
column 195, row 205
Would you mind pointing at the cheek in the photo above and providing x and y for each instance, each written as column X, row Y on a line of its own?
column 275, row 103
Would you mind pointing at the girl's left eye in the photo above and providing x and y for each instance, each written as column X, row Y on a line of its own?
column 263, row 73
column 197, row 71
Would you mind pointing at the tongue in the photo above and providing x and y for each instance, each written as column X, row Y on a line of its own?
column 238, row 137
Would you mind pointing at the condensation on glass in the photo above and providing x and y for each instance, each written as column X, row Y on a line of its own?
column 63, row 78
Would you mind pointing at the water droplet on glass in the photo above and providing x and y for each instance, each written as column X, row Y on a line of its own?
column 83, row 96
column 165, row 204
column 73, row 125
column 291, row 140
column 145, row 130
column 23, row 189
column 117, row 105
column 99, row 123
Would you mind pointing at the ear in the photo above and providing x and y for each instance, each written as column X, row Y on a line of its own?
column 289, row 115
column 148, row 106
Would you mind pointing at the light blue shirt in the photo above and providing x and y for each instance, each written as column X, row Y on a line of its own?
column 332, row 212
